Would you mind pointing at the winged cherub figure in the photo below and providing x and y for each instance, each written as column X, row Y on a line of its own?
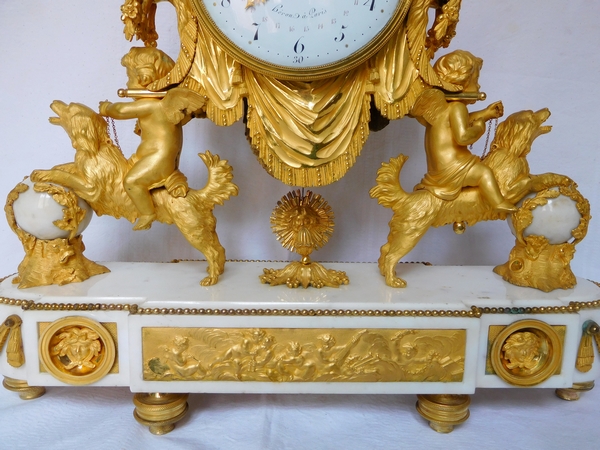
column 450, row 128
column 160, row 122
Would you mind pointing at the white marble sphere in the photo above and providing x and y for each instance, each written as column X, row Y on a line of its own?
column 35, row 213
column 555, row 220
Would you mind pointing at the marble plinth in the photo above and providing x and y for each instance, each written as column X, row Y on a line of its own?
column 153, row 328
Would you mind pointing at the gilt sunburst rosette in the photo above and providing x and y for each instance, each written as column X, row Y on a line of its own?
column 303, row 222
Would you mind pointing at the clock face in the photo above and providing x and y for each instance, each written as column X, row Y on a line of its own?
column 301, row 39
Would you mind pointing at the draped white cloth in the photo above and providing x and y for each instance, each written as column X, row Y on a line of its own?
column 101, row 418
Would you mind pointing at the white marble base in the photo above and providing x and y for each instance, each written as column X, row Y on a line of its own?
column 176, row 285
column 366, row 303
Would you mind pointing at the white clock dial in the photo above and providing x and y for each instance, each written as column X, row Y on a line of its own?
column 301, row 39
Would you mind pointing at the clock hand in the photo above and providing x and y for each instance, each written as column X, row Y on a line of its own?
column 252, row 3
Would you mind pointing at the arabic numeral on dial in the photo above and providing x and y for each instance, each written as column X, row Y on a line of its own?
column 342, row 35
column 298, row 59
column 257, row 25
column 372, row 2
column 299, row 46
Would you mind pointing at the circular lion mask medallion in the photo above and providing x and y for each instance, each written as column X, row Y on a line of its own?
column 77, row 350
column 526, row 353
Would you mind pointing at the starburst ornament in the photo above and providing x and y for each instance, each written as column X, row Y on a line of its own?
column 303, row 223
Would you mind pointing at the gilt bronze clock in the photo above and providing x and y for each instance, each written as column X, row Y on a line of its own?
column 301, row 40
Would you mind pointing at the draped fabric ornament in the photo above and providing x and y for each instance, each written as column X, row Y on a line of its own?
column 308, row 133
column 218, row 76
column 396, row 80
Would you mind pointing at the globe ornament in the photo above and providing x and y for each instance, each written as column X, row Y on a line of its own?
column 303, row 223
column 47, row 211
column 48, row 220
column 555, row 220
column 547, row 227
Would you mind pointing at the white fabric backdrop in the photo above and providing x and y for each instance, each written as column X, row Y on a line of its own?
column 537, row 54
column 101, row 418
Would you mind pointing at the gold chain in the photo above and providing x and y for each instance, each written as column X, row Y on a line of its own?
column 487, row 137
column 110, row 124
